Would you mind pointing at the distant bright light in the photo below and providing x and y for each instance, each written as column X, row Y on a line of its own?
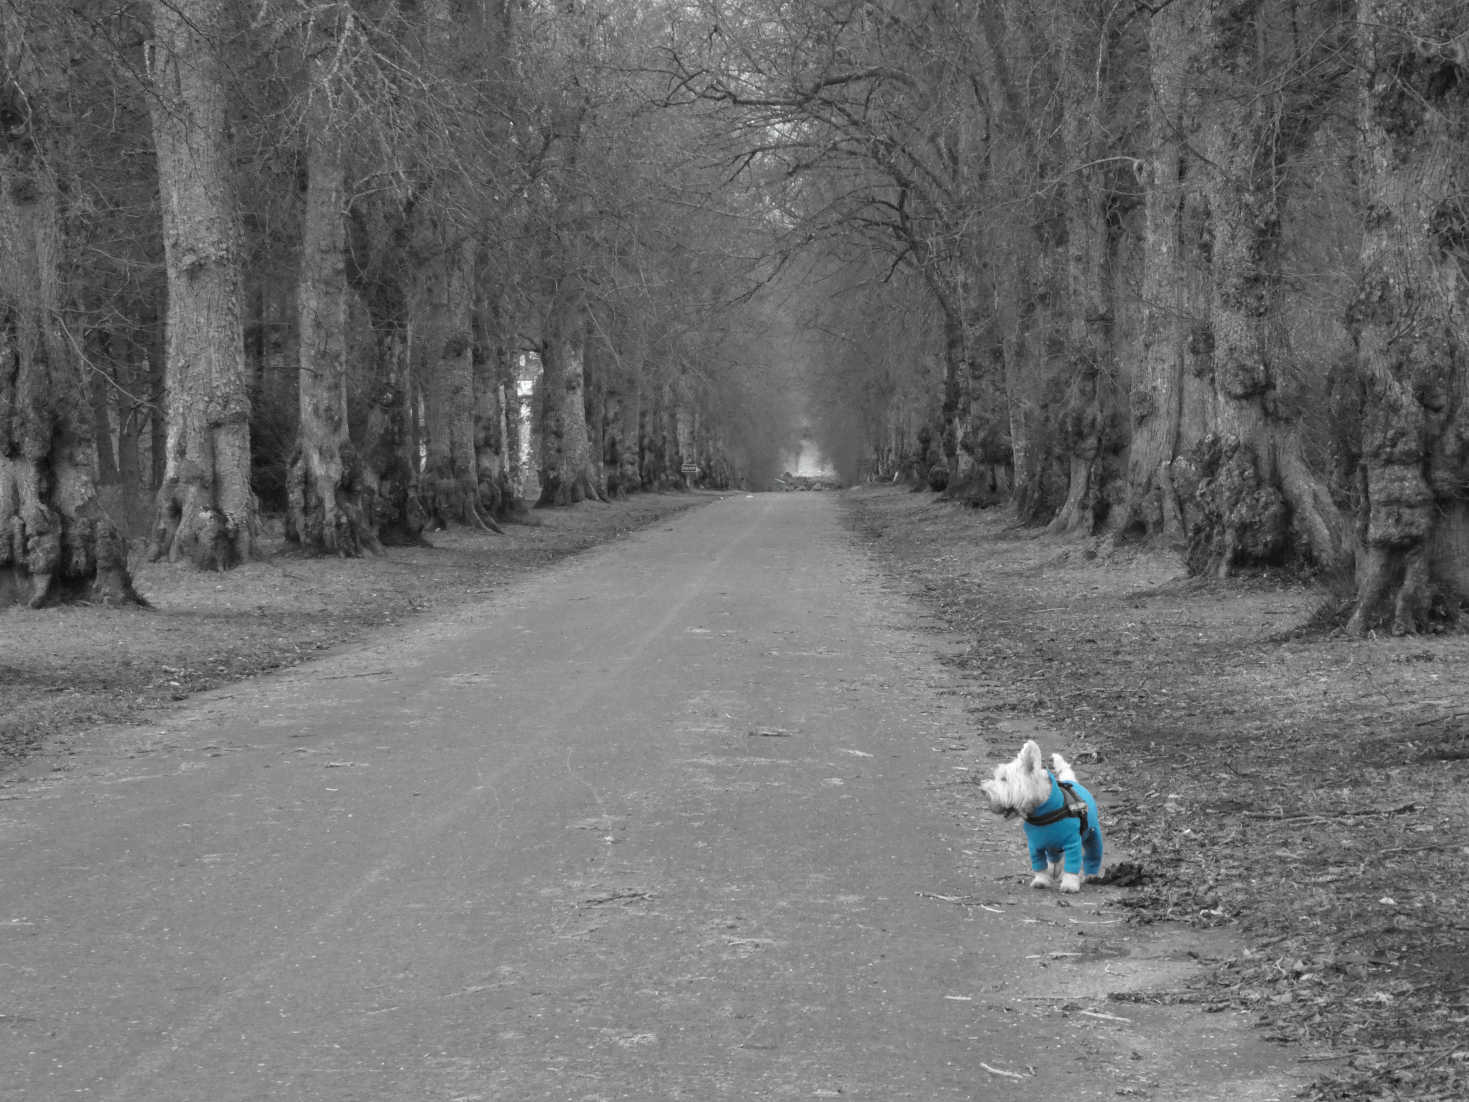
column 812, row 464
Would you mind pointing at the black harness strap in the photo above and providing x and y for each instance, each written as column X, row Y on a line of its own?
column 1072, row 807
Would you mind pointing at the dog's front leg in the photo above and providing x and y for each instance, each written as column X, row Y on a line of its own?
column 1046, row 877
column 1071, row 881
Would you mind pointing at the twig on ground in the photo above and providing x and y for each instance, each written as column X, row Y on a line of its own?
column 625, row 895
column 960, row 901
column 1407, row 849
column 1327, row 816
column 1002, row 1071
column 1441, row 719
column 1104, row 1017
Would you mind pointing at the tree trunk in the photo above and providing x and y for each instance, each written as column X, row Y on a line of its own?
column 101, row 379
column 1409, row 318
column 658, row 439
column 973, row 376
column 55, row 541
column 565, row 462
column 614, row 413
column 622, row 454
column 447, row 284
column 157, row 395
column 1085, row 421
column 1026, row 301
column 1258, row 500
column 517, row 431
column 450, row 474
column 389, row 470
column 494, row 375
column 1225, row 463
column 329, row 506
column 1162, row 389
column 133, row 417
column 205, row 510
column 1265, row 503
column 389, row 467
column 955, row 410
column 597, row 370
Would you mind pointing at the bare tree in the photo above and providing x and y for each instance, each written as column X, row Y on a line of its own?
column 565, row 225
column 1088, row 432
column 330, row 507
column 377, row 231
column 874, row 121
column 206, row 508
column 566, row 466
column 57, row 543
column 1409, row 319
column 1258, row 496
column 1166, row 400
column 451, row 217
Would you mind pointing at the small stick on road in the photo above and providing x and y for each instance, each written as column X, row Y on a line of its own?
column 960, row 901
column 1104, row 1017
column 1002, row 1071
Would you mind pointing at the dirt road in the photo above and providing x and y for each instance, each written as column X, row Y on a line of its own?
column 675, row 819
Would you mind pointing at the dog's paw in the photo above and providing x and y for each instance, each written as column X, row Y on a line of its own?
column 1041, row 880
column 1071, row 881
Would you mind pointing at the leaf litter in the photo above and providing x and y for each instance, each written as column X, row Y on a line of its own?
column 1259, row 769
column 66, row 669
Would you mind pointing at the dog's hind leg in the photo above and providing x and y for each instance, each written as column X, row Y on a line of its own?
column 1091, row 852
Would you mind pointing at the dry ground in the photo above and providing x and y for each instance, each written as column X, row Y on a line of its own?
column 1305, row 788
column 1265, row 772
column 64, row 669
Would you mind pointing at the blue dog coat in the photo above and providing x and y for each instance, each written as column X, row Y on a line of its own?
column 1074, row 831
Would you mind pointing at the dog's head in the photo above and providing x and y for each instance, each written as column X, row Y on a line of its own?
column 1018, row 786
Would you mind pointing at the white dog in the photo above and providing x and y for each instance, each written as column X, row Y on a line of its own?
column 1063, row 829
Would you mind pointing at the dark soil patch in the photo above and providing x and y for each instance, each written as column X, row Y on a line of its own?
column 1257, row 769
column 65, row 669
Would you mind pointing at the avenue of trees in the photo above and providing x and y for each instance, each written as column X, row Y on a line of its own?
column 1187, row 270
column 300, row 258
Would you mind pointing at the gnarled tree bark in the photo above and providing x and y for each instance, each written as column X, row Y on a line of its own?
column 566, row 449
column 1410, row 320
column 1086, row 423
column 56, row 543
column 205, row 511
column 329, row 503
column 1259, row 502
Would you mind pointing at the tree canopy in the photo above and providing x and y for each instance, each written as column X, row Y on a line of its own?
column 1188, row 271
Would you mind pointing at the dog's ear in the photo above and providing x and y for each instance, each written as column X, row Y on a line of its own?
column 1030, row 757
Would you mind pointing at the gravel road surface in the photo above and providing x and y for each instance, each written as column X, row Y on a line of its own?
column 676, row 819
